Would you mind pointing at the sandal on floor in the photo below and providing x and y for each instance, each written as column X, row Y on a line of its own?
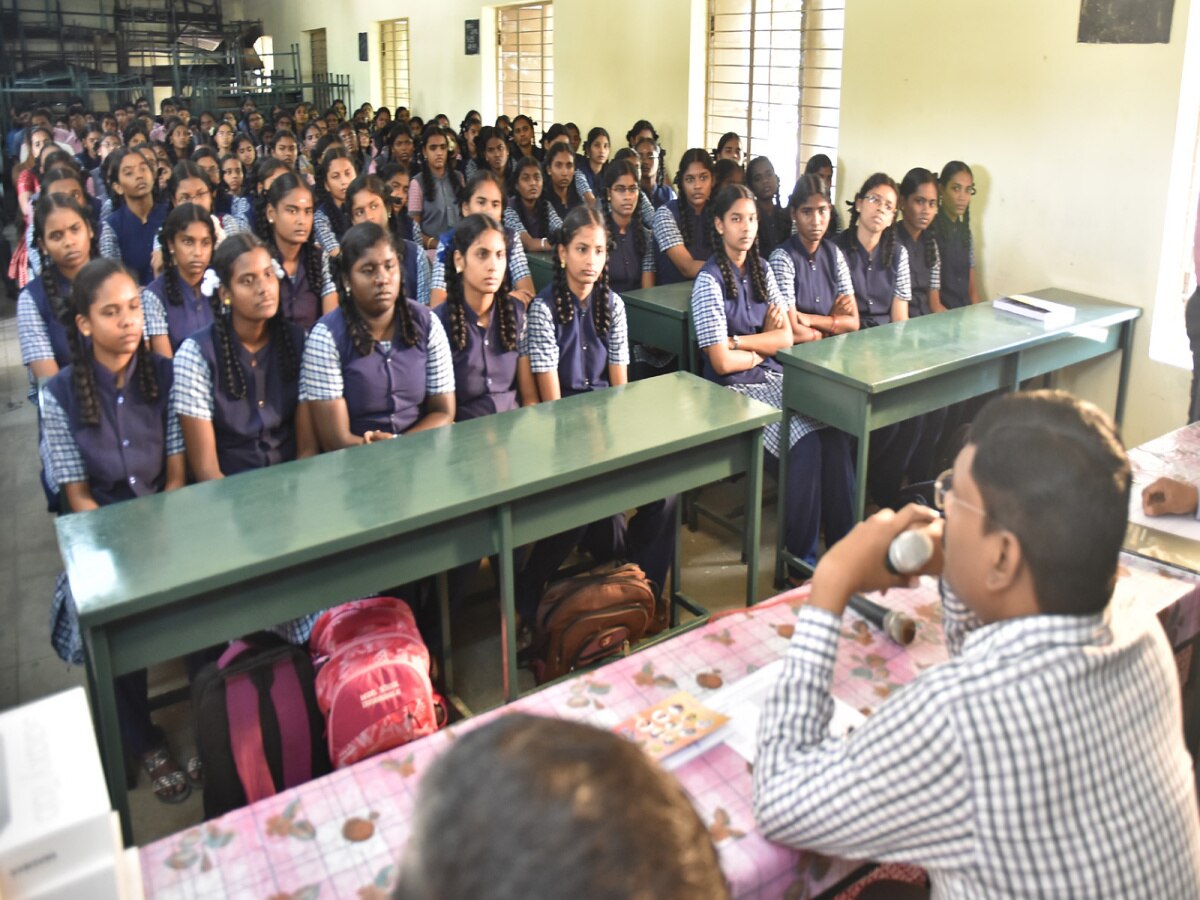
column 195, row 770
column 168, row 780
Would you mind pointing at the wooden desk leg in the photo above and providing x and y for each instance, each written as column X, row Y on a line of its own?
column 108, row 726
column 754, row 472
column 1126, row 345
column 508, row 604
column 780, row 501
column 443, row 593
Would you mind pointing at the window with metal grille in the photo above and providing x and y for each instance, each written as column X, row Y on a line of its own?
column 775, row 78
column 525, row 61
column 393, row 57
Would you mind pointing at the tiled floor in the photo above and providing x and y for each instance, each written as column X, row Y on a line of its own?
column 29, row 563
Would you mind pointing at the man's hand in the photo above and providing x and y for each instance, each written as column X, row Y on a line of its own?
column 1166, row 497
column 856, row 563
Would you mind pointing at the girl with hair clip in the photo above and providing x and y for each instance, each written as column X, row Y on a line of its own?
column 576, row 341
column 589, row 175
column 952, row 228
column 729, row 147
column 237, row 380
column 821, row 165
column 918, row 207
column 379, row 365
column 127, row 234
column 810, row 268
column 741, row 321
column 559, row 182
column 528, row 213
column 173, row 305
column 522, row 137
column 109, row 436
column 492, row 154
column 774, row 223
column 368, row 200
column 652, row 179
column 307, row 289
column 334, row 174
column 433, row 195
column 682, row 227
column 484, row 195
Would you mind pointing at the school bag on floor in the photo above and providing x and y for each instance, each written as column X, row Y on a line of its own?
column 258, row 728
column 584, row 619
column 374, row 685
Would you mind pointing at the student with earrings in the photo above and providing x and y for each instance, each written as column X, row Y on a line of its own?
column 173, row 305
column 631, row 259
column 918, row 207
column 334, row 174
column 774, row 223
column 576, row 341
column 367, row 200
column 484, row 195
column 821, row 165
column 378, row 365
column 433, row 195
column 127, row 235
column 529, row 213
column 559, row 181
column 683, row 226
column 741, row 321
column 952, row 227
column 237, row 380
column 589, row 175
column 110, row 436
column 306, row 288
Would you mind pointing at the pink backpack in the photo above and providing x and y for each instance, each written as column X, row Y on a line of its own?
column 374, row 688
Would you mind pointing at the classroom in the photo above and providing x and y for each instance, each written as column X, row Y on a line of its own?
column 1079, row 127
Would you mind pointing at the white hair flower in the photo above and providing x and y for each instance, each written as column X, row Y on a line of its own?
column 279, row 273
column 210, row 283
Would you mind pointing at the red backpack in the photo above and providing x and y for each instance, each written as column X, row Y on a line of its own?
column 374, row 688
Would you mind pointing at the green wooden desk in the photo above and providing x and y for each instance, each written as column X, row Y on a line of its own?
column 661, row 317
column 161, row 576
column 862, row 381
column 541, row 267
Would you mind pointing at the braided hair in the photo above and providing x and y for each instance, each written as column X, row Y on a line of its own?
column 310, row 252
column 83, row 376
column 557, row 149
column 594, row 135
column 686, row 226
column 466, row 234
column 231, row 373
column 541, row 207
column 262, row 170
column 432, row 130
column 60, row 307
column 564, row 310
column 486, row 135
column 807, row 186
column 357, row 242
column 887, row 240
column 617, row 170
column 177, row 221
column 337, row 217
column 949, row 170
column 913, row 179
column 721, row 204
column 185, row 170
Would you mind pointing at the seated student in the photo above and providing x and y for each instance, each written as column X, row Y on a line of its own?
column 173, row 306
column 397, row 181
column 741, row 322
column 492, row 153
column 251, row 207
column 1046, row 757
column 683, row 226
column 433, row 194
column 559, row 181
column 127, row 235
column 379, row 365
column 484, row 194
column 609, row 823
column 334, row 175
column 577, row 341
column 726, row 171
column 590, row 168
column 819, row 164
column 631, row 263
column 61, row 179
column 529, row 213
column 774, row 224
column 952, row 226
column 368, row 200
column 522, row 135
column 729, row 146
column 189, row 183
column 307, row 290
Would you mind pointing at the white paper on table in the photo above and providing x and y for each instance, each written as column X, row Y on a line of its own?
column 1183, row 526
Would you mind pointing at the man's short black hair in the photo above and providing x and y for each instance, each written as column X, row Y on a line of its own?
column 525, row 808
column 1052, row 470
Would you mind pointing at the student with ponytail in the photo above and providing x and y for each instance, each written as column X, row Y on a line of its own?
column 576, row 341
column 237, row 380
column 173, row 305
column 61, row 179
column 334, row 174
column 644, row 141
column 368, row 200
column 683, row 226
column 109, row 437
column 379, row 364
column 307, row 289
column 952, row 227
column 528, row 213
column 127, row 235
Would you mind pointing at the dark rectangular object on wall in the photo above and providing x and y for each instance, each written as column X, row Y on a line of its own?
column 362, row 46
column 472, row 37
column 1125, row 21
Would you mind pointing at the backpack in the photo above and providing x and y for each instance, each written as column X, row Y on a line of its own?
column 586, row 618
column 374, row 688
column 258, row 728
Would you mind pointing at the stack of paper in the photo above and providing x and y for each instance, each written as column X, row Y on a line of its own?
column 1049, row 313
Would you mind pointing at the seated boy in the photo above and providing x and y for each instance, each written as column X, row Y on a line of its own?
column 1045, row 758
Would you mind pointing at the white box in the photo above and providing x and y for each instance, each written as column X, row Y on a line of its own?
column 55, row 829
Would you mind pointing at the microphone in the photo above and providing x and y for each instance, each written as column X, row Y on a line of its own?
column 908, row 553
column 896, row 625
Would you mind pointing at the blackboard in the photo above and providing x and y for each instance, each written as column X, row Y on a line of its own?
column 362, row 46
column 472, row 37
column 1125, row 21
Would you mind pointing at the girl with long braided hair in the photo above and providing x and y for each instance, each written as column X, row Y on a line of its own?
column 172, row 304
column 379, row 364
column 559, row 187
column 774, row 224
column 127, row 234
column 528, row 214
column 109, row 437
column 307, row 290
column 576, row 341
column 251, row 207
column 368, row 200
column 433, row 194
column 953, row 229
column 683, row 226
column 631, row 259
column 335, row 172
column 741, row 322
column 237, row 381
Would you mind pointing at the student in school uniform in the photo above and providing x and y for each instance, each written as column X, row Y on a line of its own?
column 653, row 182
column 822, row 165
column 728, row 147
column 774, row 223
column 61, row 179
column 401, row 147
column 741, row 321
column 952, row 227
column 173, row 305
column 577, row 341
column 559, row 181
column 334, row 174
column 589, row 174
column 210, row 164
column 397, row 180
column 306, row 288
column 244, row 149
column 190, row 184
column 493, row 154
column 484, row 194
column 522, row 137
column 378, row 365
column 127, row 235
column 631, row 260
column 367, row 200
column 109, row 437
column 283, row 147
column 468, row 152
column 252, row 206
column 233, row 180
column 433, row 195
column 529, row 213
column 683, row 226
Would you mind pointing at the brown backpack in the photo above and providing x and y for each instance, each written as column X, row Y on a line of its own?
column 584, row 619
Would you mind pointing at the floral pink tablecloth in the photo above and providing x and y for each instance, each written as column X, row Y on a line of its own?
column 340, row 835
